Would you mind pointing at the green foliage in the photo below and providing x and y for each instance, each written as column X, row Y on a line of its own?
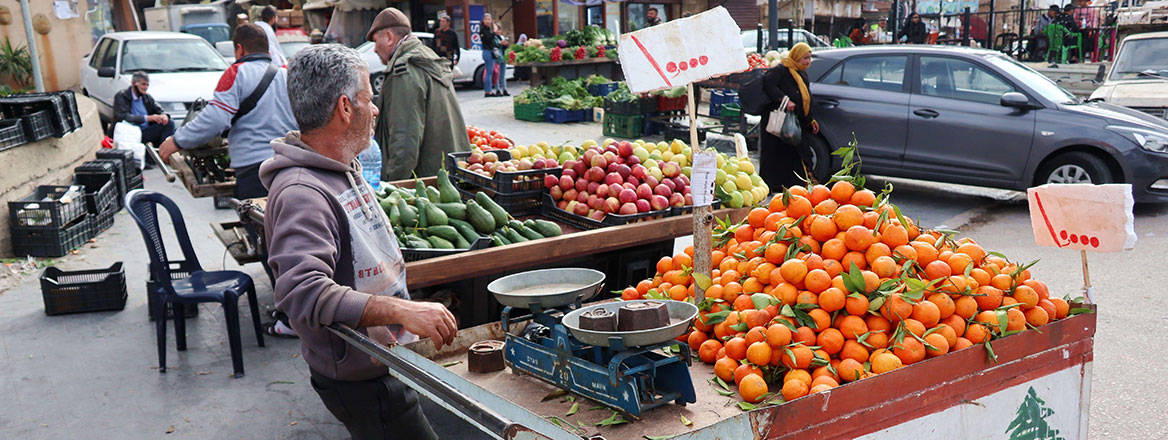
column 15, row 64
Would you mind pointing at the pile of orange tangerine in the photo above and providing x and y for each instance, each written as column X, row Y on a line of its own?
column 830, row 285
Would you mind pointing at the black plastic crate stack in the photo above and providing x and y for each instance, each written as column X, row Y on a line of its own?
column 131, row 173
column 517, row 192
column 43, row 114
column 48, row 224
column 83, row 290
column 12, row 133
column 99, row 177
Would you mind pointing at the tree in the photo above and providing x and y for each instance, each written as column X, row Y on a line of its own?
column 1030, row 423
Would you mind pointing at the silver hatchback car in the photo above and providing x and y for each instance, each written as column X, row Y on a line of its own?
column 977, row 117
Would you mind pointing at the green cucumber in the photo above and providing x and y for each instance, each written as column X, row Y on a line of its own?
column 453, row 210
column 546, row 228
column 433, row 194
column 496, row 240
column 407, row 215
column 435, row 216
column 439, row 242
column 496, row 211
column 446, row 191
column 524, row 230
column 466, row 229
column 461, row 243
column 414, row 241
column 449, row 233
column 514, row 235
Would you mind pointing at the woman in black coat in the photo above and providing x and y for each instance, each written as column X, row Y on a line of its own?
column 779, row 162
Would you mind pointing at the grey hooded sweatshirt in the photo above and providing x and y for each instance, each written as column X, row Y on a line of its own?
column 330, row 249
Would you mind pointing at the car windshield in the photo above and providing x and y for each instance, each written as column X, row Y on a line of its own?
column 213, row 34
column 1036, row 81
column 1142, row 58
column 172, row 55
column 291, row 47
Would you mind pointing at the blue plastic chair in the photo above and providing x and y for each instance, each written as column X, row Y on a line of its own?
column 224, row 287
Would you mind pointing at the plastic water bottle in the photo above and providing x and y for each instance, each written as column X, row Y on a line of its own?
column 371, row 164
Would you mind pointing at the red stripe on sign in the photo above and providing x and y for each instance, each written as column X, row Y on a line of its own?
column 1049, row 227
column 652, row 61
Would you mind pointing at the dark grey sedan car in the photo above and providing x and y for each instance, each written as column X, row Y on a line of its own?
column 977, row 117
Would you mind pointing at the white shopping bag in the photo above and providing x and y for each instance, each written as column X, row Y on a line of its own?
column 128, row 136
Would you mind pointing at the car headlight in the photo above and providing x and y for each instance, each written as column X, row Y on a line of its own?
column 173, row 107
column 1147, row 139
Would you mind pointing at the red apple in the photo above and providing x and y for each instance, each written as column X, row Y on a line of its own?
column 581, row 184
column 582, row 197
column 639, row 171
column 599, row 161
column 569, row 172
column 592, row 186
column 662, row 190
column 658, row 202
column 537, row 164
column 688, row 199
column 580, row 167
column 684, row 179
column 643, row 205
column 551, row 180
column 490, row 157
column 652, row 181
column 595, row 174
column 475, row 158
column 610, row 148
column 676, row 199
column 669, row 183
column 627, row 195
column 628, row 208
column 625, row 149
column 581, row 209
column 562, row 204
column 632, row 160
column 671, row 169
column 611, row 168
column 610, row 156
column 566, row 183
column 524, row 164
column 611, row 205
column 613, row 178
column 556, row 192
column 597, row 215
column 588, row 155
column 571, row 206
column 570, row 194
column 601, row 190
column 595, row 202
column 624, row 170
column 629, row 185
column 644, row 191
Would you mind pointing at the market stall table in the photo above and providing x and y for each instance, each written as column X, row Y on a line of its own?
column 571, row 69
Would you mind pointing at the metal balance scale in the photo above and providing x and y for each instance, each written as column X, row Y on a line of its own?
column 629, row 371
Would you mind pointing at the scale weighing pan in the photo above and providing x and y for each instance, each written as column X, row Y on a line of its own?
column 547, row 288
column 681, row 314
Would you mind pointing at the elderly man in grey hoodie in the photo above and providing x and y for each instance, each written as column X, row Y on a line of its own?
column 335, row 258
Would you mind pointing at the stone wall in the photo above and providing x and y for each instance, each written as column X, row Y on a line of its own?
column 61, row 43
column 46, row 162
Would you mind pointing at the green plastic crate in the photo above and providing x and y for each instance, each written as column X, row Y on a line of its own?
column 530, row 112
column 623, row 126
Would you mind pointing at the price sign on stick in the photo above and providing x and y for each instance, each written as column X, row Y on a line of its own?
column 702, row 177
column 1085, row 218
column 682, row 51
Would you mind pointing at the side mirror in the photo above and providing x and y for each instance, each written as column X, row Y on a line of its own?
column 1016, row 100
column 106, row 72
column 226, row 48
column 1099, row 74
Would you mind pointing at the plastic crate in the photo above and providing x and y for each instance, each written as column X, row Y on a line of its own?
column 93, row 290
column 41, row 242
column 422, row 254
column 126, row 157
column 37, row 125
column 623, row 107
column 603, row 89
column 719, row 98
column 33, row 211
column 95, row 176
column 176, row 273
column 623, row 126
column 119, row 179
column 134, row 183
column 61, row 107
column 518, row 204
column 503, row 182
column 652, row 127
column 558, row 115
column 99, row 223
column 550, row 210
column 533, row 112
column 648, row 105
column 673, row 131
column 672, row 104
column 12, row 134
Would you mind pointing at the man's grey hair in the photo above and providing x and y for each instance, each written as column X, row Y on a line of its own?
column 317, row 76
column 139, row 76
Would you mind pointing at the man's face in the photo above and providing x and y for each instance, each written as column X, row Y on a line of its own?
column 141, row 86
column 383, row 43
column 651, row 14
column 364, row 118
column 444, row 24
column 1051, row 13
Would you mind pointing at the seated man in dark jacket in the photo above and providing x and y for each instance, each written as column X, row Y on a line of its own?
column 135, row 106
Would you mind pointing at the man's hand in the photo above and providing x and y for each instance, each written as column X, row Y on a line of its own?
column 167, row 148
column 425, row 319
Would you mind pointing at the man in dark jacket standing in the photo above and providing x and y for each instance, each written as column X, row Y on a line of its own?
column 420, row 120
column 137, row 107
column 335, row 257
column 914, row 30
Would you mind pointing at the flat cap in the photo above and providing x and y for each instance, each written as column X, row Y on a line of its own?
column 387, row 18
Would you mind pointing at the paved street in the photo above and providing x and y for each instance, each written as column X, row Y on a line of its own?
column 95, row 375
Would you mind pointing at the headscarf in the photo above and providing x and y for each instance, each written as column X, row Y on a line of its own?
column 792, row 62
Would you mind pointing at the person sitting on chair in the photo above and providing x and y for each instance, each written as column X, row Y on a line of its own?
column 135, row 106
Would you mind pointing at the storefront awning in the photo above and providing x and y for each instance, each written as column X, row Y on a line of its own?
column 589, row 2
column 346, row 5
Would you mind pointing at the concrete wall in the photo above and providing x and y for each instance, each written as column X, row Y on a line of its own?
column 46, row 162
column 61, row 48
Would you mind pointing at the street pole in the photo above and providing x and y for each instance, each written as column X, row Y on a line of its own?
column 32, row 47
column 990, row 31
column 773, row 24
column 894, row 20
column 1021, row 27
column 965, row 28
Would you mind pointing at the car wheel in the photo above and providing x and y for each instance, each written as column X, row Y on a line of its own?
column 1074, row 167
column 376, row 81
column 819, row 162
column 477, row 81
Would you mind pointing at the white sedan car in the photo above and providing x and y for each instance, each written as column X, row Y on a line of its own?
column 182, row 69
column 470, row 64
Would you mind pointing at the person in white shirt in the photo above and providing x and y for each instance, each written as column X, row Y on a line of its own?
column 266, row 21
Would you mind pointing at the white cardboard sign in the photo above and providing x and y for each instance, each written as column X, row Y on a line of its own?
column 1095, row 218
column 682, row 51
column 702, row 177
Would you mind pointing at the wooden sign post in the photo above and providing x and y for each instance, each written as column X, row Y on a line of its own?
column 1094, row 218
column 682, row 52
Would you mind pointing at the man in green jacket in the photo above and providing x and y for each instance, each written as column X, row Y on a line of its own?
column 420, row 121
